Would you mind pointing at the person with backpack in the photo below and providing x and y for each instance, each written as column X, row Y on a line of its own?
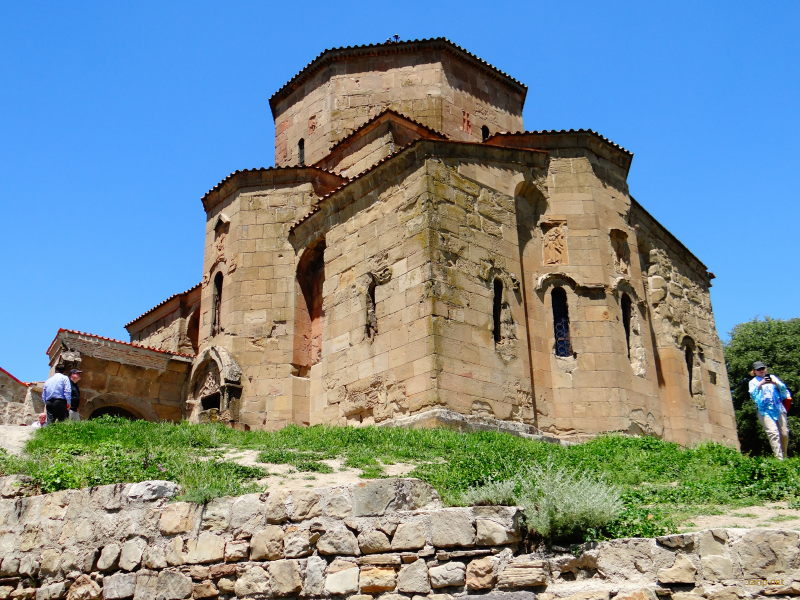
column 769, row 394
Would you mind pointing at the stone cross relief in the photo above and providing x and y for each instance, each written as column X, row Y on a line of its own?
column 210, row 385
column 554, row 250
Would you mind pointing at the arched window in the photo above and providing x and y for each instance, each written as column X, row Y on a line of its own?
column 563, row 346
column 309, row 314
column 688, row 353
column 626, row 320
column 485, row 133
column 301, row 152
column 216, row 308
column 372, row 319
column 497, row 307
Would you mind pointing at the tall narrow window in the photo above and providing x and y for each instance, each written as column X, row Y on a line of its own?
column 301, row 152
column 216, row 309
column 626, row 321
column 563, row 346
column 485, row 133
column 309, row 314
column 372, row 319
column 497, row 307
column 689, row 356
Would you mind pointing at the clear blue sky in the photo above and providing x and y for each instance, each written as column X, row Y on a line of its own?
column 116, row 117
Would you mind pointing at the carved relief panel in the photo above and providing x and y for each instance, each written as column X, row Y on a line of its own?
column 554, row 243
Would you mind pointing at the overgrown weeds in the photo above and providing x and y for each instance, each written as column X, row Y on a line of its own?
column 658, row 482
column 557, row 503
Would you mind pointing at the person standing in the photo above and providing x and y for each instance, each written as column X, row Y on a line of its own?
column 769, row 392
column 74, row 378
column 57, row 395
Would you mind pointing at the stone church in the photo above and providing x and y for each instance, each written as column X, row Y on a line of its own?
column 416, row 257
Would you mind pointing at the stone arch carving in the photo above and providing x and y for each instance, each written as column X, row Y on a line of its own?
column 214, row 387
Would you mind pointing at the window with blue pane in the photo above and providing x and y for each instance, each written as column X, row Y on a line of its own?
column 563, row 345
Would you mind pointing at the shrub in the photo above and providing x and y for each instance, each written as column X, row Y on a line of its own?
column 558, row 504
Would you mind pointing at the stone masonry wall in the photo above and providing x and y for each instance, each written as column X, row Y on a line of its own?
column 427, row 86
column 258, row 296
column 386, row 539
column 677, row 291
column 370, row 375
column 484, row 365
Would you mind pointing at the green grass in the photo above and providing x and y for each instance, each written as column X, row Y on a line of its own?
column 660, row 483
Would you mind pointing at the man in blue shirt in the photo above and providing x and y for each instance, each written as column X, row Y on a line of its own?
column 57, row 396
column 769, row 393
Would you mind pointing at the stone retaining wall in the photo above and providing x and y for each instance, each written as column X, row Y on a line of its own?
column 386, row 539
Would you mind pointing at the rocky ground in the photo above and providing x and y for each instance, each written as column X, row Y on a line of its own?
column 285, row 477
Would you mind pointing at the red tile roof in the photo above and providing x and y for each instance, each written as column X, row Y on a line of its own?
column 560, row 132
column 162, row 303
column 14, row 378
column 333, row 177
column 331, row 54
column 108, row 339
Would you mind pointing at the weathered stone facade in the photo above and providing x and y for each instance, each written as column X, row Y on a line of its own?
column 20, row 402
column 385, row 539
column 406, row 261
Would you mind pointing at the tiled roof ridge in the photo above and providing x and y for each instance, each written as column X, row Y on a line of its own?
column 147, row 312
column 370, row 121
column 316, row 207
column 562, row 132
column 390, row 47
column 108, row 339
column 14, row 378
column 265, row 170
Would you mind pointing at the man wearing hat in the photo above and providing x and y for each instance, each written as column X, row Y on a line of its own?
column 57, row 396
column 769, row 392
column 74, row 378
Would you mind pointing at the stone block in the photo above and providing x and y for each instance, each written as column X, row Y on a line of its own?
column 303, row 504
column 374, row 580
column 338, row 505
column 252, row 581
column 236, row 550
column 204, row 589
column 177, row 518
column 452, row 527
column 267, row 544
column 119, row 586
column 523, row 573
column 314, row 577
column 338, row 542
column 413, row 578
column 131, row 554
column 492, row 533
column 206, row 548
column 481, row 573
column 341, row 578
column 83, row 588
column 682, row 571
column 373, row 541
column 285, row 577
column 448, row 575
column 147, row 491
column 109, row 556
column 411, row 535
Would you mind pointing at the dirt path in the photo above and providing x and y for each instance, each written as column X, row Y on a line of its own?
column 13, row 437
column 773, row 515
